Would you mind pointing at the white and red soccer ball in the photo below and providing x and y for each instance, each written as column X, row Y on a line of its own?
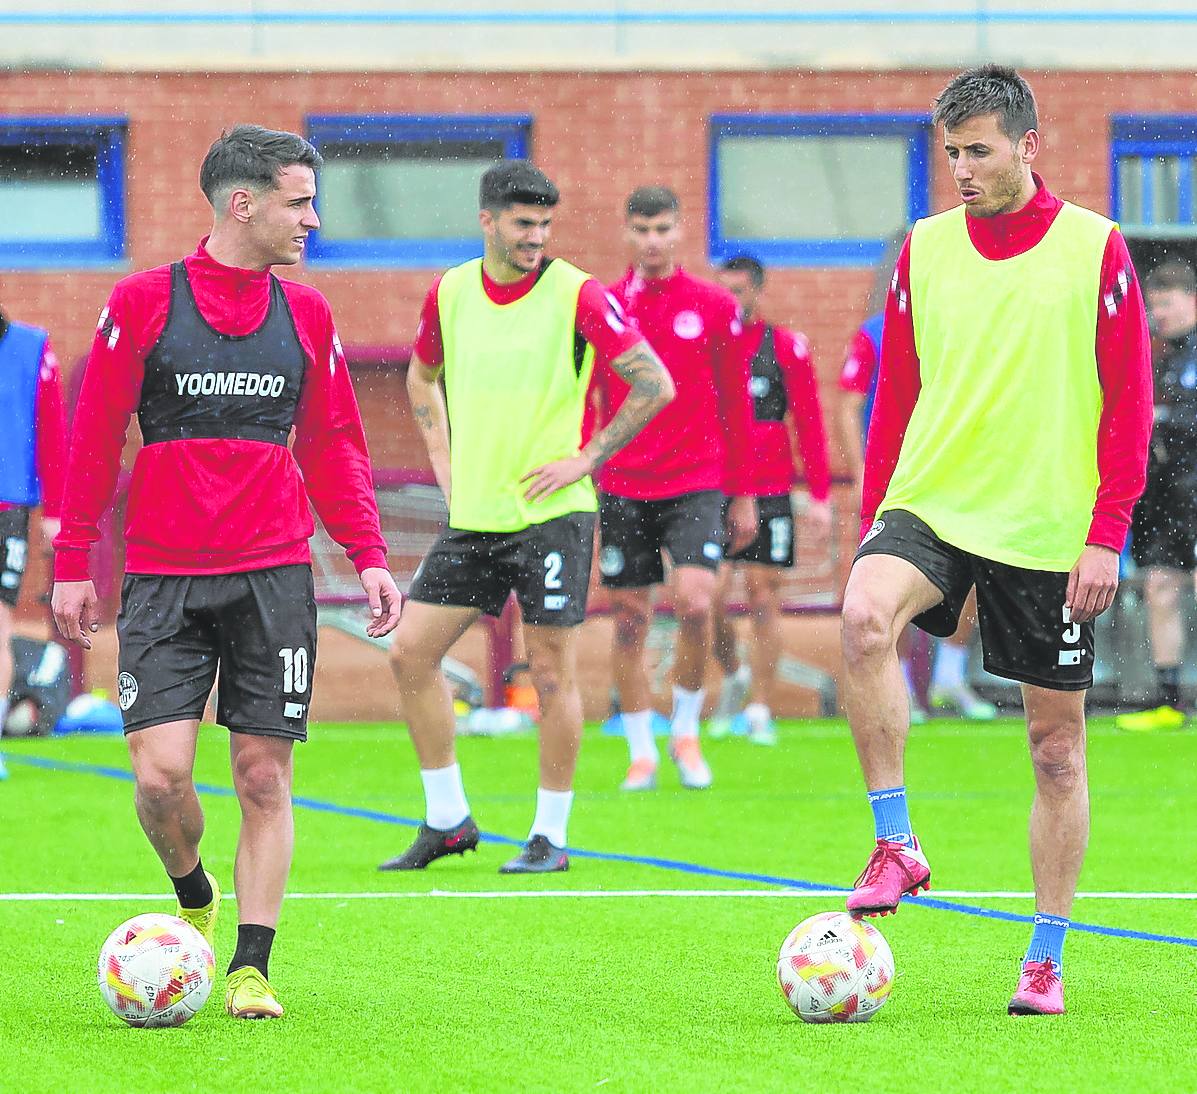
column 833, row 968
column 156, row 970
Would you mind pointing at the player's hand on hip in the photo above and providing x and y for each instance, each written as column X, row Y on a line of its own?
column 551, row 477
column 1092, row 583
column 386, row 601
column 817, row 522
column 741, row 523
column 76, row 611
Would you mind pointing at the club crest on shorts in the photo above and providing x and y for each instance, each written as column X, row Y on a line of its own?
column 876, row 530
column 713, row 551
column 611, row 561
column 687, row 325
column 126, row 689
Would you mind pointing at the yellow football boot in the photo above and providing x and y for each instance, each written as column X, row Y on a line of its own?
column 247, row 995
column 203, row 919
column 1157, row 719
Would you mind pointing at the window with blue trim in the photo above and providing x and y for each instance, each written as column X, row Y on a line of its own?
column 1152, row 176
column 815, row 189
column 62, row 191
column 402, row 190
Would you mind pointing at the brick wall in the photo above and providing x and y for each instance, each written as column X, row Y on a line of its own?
column 597, row 134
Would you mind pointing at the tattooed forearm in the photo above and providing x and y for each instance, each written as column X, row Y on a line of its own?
column 423, row 416
column 651, row 389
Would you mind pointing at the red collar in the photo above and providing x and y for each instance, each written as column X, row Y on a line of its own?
column 1010, row 234
column 222, row 278
column 511, row 291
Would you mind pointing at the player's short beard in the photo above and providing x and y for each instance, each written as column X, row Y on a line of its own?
column 1007, row 190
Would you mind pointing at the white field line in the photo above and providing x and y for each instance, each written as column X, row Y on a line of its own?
column 589, row 894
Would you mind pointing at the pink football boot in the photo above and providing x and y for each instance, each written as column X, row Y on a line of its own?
column 1040, row 990
column 893, row 871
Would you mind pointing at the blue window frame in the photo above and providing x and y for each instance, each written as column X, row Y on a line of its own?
column 402, row 190
column 1152, row 173
column 62, row 191
column 815, row 189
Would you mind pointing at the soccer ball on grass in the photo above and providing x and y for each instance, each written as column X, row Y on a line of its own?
column 833, row 968
column 155, row 970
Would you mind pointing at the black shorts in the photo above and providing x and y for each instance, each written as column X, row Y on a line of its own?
column 258, row 628
column 1164, row 528
column 634, row 532
column 547, row 566
column 1025, row 631
column 14, row 548
column 774, row 543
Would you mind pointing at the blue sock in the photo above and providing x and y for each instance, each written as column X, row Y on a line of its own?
column 891, row 816
column 1047, row 940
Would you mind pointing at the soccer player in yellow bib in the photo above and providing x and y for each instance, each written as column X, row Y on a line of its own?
column 1007, row 448
column 514, row 335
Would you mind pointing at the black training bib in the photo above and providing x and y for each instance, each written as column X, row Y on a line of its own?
column 200, row 383
column 767, row 385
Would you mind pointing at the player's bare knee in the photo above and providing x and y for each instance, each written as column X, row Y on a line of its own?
column 867, row 631
column 262, row 783
column 693, row 610
column 631, row 627
column 1057, row 752
column 409, row 663
column 161, row 790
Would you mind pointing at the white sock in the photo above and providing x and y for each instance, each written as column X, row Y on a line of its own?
column 444, row 797
column 638, row 728
column 552, row 815
column 687, row 706
column 758, row 715
column 904, row 662
column 950, row 663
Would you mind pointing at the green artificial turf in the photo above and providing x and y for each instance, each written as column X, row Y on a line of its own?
column 627, row 992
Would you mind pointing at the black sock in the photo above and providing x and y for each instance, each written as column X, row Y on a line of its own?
column 1167, row 679
column 253, row 947
column 194, row 890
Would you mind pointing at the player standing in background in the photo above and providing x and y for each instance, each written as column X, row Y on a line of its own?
column 32, row 463
column 515, row 335
column 664, row 491
column 1164, row 539
column 221, row 361
column 949, row 688
column 1011, row 463
column 784, row 390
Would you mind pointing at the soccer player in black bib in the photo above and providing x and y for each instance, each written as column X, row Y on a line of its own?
column 246, row 412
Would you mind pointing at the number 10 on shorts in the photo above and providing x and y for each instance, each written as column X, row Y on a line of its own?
column 295, row 670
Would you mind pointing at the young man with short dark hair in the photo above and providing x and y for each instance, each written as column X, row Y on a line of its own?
column 246, row 412
column 786, row 407
column 1007, row 449
column 664, row 492
column 514, row 336
column 1164, row 540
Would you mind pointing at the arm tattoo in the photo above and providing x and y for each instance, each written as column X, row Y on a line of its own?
column 651, row 388
column 423, row 416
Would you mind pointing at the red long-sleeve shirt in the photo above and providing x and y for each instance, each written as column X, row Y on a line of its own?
column 49, row 434
column 211, row 506
column 703, row 439
column 1123, row 363
column 772, row 470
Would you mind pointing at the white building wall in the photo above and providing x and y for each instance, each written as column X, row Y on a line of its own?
column 595, row 34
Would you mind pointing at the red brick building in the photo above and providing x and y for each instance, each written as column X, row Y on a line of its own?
column 598, row 134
